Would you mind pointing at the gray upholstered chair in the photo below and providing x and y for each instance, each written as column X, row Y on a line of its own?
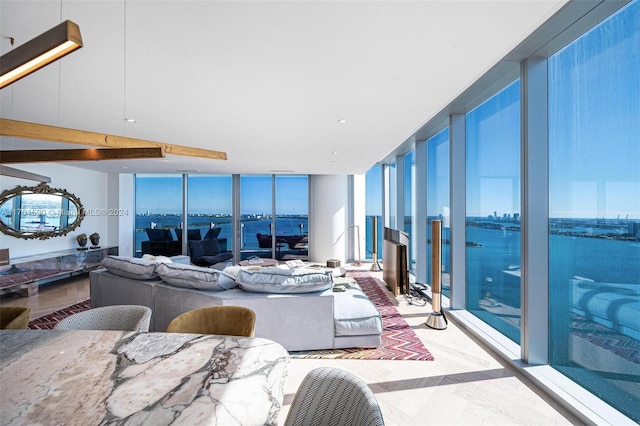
column 14, row 317
column 225, row 320
column 117, row 317
column 332, row 397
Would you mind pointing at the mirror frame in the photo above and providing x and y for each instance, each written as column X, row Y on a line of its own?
column 42, row 188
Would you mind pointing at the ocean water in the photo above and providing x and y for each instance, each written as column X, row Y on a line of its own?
column 284, row 226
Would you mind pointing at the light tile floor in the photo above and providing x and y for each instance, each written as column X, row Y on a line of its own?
column 465, row 385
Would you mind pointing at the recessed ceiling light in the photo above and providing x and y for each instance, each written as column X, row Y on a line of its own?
column 342, row 121
column 130, row 120
column 335, row 152
column 124, row 167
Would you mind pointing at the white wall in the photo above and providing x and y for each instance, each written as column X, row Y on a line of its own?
column 92, row 188
column 329, row 218
column 359, row 217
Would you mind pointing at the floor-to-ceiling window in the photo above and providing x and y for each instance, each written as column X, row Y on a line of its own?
column 292, row 217
column 209, row 213
column 493, row 211
column 594, row 210
column 409, row 180
column 209, row 206
column 158, row 214
column 393, row 195
column 438, row 201
column 373, row 208
column 592, row 335
column 256, row 208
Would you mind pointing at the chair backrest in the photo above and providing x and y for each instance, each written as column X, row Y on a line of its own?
column 192, row 234
column 264, row 240
column 117, row 317
column 14, row 317
column 212, row 233
column 330, row 396
column 225, row 320
column 158, row 234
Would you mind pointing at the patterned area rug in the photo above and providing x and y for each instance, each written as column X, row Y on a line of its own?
column 48, row 321
column 399, row 341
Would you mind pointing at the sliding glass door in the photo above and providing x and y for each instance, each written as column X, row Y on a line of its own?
column 256, row 218
column 292, row 217
column 158, row 214
column 209, row 209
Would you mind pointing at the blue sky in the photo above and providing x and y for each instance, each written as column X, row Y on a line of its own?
column 594, row 134
column 212, row 194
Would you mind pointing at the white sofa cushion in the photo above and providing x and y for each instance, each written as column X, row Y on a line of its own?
column 191, row 276
column 284, row 280
column 355, row 314
column 130, row 267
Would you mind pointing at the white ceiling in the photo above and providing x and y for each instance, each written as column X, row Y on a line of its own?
column 264, row 81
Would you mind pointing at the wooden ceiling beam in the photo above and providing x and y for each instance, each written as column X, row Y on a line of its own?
column 90, row 154
column 42, row 132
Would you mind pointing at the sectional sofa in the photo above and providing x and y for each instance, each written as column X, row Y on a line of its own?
column 298, row 309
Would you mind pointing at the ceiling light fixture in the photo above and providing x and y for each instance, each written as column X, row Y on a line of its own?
column 342, row 121
column 38, row 52
column 130, row 120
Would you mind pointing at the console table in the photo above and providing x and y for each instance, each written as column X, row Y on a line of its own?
column 89, row 377
column 28, row 272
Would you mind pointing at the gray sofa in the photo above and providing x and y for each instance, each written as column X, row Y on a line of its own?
column 303, row 321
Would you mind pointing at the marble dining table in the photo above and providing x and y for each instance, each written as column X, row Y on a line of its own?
column 50, row 377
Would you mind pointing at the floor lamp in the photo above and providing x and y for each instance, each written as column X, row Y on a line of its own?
column 436, row 319
column 374, row 244
column 359, row 261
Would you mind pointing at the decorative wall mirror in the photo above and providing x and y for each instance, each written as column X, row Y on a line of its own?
column 39, row 212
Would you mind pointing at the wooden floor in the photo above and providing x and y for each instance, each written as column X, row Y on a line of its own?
column 465, row 385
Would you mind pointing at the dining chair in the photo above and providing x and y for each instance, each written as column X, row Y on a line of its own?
column 14, row 317
column 333, row 397
column 226, row 320
column 116, row 317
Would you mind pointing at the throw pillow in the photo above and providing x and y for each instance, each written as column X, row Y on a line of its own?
column 191, row 276
column 157, row 259
column 130, row 267
column 284, row 281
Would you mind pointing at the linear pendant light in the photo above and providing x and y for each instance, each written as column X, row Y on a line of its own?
column 40, row 51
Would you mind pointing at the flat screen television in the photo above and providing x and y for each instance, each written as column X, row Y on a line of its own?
column 395, row 257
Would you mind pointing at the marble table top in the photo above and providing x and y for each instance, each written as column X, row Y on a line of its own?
column 51, row 377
